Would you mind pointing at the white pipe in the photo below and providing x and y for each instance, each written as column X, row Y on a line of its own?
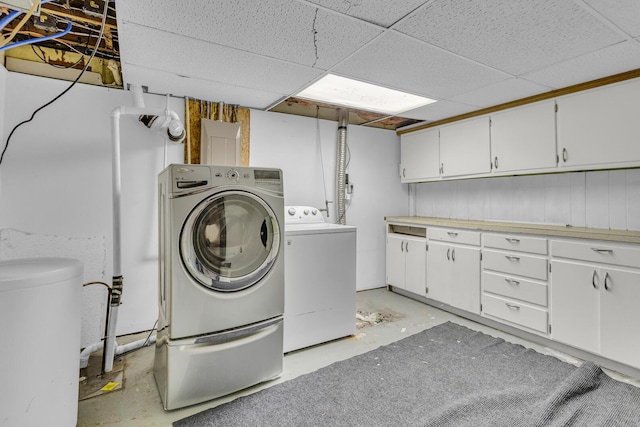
column 90, row 349
column 116, row 290
column 86, row 352
column 110, row 340
column 136, row 344
column 136, row 93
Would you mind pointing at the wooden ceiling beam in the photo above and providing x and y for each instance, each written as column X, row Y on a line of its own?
column 60, row 11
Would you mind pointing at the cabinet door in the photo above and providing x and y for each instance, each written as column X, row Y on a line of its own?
column 600, row 126
column 575, row 301
column 420, row 155
column 439, row 272
column 395, row 260
column 465, row 278
column 524, row 138
column 619, row 316
column 464, row 147
column 415, row 265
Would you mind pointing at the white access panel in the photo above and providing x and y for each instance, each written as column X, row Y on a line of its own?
column 220, row 143
column 320, row 286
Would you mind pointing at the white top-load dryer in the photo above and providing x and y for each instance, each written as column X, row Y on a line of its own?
column 320, row 279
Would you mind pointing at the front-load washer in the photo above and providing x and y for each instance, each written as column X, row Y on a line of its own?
column 320, row 279
column 221, row 284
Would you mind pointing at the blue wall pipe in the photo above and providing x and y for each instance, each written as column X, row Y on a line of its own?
column 15, row 13
column 11, row 16
column 39, row 39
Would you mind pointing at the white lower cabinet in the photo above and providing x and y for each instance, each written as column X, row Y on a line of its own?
column 595, row 305
column 453, row 269
column 579, row 292
column 406, row 258
column 515, row 281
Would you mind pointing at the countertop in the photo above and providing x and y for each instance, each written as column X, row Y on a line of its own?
column 521, row 228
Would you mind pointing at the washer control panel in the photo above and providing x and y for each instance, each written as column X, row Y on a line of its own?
column 190, row 178
column 302, row 215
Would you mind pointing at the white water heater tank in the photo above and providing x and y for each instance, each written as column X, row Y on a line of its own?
column 40, row 318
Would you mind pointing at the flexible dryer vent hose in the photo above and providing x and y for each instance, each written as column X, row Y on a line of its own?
column 341, row 165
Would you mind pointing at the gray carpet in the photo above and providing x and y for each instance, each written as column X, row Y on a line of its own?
column 448, row 375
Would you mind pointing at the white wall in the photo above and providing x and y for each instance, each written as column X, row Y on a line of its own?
column 55, row 186
column 292, row 144
column 600, row 199
column 56, row 183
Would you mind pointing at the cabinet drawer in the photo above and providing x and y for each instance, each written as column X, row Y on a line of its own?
column 512, row 287
column 464, row 237
column 596, row 252
column 534, row 245
column 515, row 312
column 515, row 263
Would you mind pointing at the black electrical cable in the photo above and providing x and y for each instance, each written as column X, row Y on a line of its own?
column 104, row 19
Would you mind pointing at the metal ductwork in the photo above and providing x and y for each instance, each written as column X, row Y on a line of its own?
column 341, row 165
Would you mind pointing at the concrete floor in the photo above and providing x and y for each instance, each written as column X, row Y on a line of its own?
column 138, row 402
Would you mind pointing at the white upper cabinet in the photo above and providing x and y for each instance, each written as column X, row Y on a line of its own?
column 524, row 138
column 420, row 155
column 600, row 127
column 464, row 148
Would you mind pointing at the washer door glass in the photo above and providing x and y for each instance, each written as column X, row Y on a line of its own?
column 230, row 241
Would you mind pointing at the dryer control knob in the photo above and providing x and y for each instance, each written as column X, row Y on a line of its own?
column 233, row 175
column 314, row 212
column 292, row 211
column 306, row 211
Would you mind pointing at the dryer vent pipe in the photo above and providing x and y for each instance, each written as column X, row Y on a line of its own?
column 341, row 165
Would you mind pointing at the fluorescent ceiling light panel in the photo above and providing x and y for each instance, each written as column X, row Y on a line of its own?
column 346, row 92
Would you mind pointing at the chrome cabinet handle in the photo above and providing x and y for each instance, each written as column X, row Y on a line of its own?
column 495, row 162
column 512, row 306
column 512, row 240
column 448, row 253
column 606, row 281
column 441, row 168
column 453, row 255
column 402, row 246
column 565, row 155
column 452, row 233
column 512, row 258
column 593, row 280
column 406, row 247
column 602, row 251
column 512, row 281
column 404, row 170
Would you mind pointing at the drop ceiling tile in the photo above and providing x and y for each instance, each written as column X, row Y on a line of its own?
column 379, row 12
column 438, row 111
column 513, row 36
column 403, row 63
column 164, row 82
column 625, row 14
column 289, row 30
column 198, row 59
column 501, row 92
column 602, row 63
